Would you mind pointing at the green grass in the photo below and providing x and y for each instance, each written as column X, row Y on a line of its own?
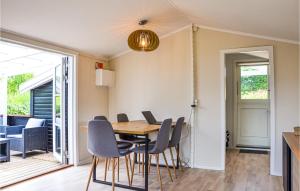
column 258, row 94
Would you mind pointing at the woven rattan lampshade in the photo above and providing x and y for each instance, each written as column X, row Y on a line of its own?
column 143, row 40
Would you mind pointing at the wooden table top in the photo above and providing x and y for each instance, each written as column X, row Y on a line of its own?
column 138, row 127
column 294, row 143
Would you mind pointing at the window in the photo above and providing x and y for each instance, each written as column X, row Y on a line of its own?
column 254, row 82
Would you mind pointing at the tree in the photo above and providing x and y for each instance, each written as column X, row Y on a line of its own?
column 18, row 104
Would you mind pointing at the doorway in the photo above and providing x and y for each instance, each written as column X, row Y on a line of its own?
column 249, row 100
column 36, row 84
column 252, row 105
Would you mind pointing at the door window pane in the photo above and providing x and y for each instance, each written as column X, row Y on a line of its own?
column 57, row 109
column 254, row 82
column 58, row 78
column 57, row 138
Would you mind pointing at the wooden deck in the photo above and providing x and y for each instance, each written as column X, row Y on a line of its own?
column 19, row 169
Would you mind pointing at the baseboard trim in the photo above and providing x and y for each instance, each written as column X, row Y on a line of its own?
column 85, row 161
column 276, row 173
column 209, row 167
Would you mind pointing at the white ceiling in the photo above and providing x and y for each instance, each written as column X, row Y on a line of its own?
column 16, row 59
column 101, row 27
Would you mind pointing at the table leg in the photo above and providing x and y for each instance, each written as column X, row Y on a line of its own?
column 146, row 162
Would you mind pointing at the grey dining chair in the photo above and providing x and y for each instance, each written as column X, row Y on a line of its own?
column 122, row 117
column 102, row 143
column 159, row 147
column 123, row 144
column 174, row 142
column 100, row 117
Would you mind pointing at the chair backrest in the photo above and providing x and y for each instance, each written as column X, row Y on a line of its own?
column 34, row 122
column 100, row 117
column 101, row 139
column 176, row 135
column 162, row 140
column 149, row 117
column 122, row 117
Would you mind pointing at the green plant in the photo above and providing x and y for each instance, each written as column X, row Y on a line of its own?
column 18, row 104
column 254, row 87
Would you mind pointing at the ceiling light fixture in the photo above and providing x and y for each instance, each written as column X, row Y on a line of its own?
column 142, row 39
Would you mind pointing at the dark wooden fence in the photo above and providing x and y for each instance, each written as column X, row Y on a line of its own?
column 41, row 107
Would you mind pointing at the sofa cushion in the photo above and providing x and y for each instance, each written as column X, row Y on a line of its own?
column 19, row 136
column 33, row 122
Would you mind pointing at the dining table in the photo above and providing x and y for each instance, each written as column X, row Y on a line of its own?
column 142, row 129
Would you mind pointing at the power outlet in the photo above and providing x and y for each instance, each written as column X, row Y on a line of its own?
column 195, row 103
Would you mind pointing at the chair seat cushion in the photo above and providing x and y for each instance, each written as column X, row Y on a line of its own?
column 138, row 140
column 141, row 149
column 170, row 145
column 124, row 145
column 124, row 152
column 33, row 122
column 19, row 136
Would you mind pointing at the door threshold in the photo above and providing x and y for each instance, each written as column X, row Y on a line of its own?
column 253, row 148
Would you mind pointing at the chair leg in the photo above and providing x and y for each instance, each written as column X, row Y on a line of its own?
column 167, row 165
column 113, row 173
column 106, row 165
column 97, row 161
column 173, row 163
column 180, row 165
column 129, row 158
column 139, row 159
column 127, row 169
column 149, row 165
column 143, row 165
column 158, row 170
column 118, row 169
column 132, row 171
column 91, row 172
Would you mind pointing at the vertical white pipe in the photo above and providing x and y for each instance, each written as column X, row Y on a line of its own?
column 194, row 30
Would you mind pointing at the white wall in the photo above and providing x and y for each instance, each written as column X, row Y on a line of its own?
column 92, row 100
column 208, row 128
column 159, row 81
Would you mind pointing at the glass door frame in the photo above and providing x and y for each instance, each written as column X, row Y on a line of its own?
column 59, row 137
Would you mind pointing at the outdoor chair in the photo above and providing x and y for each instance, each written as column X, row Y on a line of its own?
column 32, row 136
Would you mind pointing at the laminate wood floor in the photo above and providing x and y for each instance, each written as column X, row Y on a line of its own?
column 244, row 172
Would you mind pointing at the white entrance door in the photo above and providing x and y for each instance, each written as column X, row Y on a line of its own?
column 59, row 112
column 253, row 129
